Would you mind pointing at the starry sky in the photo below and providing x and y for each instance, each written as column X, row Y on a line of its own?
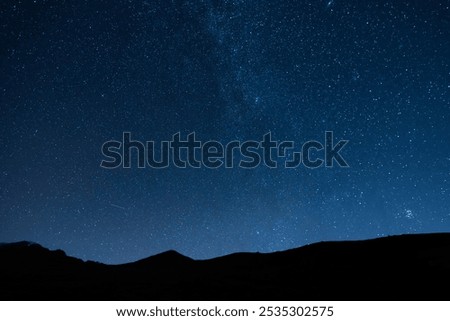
column 75, row 74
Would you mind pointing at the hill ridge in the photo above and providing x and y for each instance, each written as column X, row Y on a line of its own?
column 375, row 269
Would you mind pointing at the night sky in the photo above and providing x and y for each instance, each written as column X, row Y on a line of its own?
column 75, row 74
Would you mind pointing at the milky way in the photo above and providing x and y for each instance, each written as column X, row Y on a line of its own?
column 75, row 74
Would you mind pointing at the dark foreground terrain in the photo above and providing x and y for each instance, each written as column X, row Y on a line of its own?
column 407, row 267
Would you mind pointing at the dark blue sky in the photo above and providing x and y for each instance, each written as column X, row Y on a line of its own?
column 75, row 74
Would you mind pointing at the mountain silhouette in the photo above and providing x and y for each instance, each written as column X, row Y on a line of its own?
column 405, row 267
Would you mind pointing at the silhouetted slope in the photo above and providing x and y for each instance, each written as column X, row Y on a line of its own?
column 407, row 267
